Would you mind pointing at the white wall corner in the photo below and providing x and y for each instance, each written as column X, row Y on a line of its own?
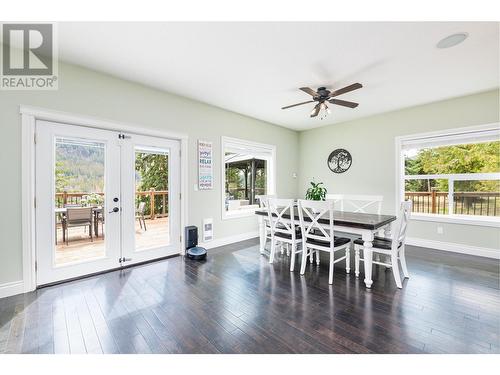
column 11, row 289
column 454, row 247
column 229, row 240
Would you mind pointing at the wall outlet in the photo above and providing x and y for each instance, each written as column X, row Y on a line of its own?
column 440, row 229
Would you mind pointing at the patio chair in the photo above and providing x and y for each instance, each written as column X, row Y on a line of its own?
column 77, row 217
column 139, row 214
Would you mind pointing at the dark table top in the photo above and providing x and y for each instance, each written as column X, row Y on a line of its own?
column 348, row 219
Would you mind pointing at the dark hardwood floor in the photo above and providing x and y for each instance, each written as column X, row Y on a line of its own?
column 236, row 302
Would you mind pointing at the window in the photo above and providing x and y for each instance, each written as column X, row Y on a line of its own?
column 452, row 176
column 247, row 172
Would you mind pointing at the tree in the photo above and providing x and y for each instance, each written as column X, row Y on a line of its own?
column 468, row 158
column 151, row 173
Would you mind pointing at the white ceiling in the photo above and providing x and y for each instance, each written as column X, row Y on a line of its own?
column 256, row 68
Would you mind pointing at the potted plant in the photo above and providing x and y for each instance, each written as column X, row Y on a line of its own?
column 92, row 200
column 316, row 192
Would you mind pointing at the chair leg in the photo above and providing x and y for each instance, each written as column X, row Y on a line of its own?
column 273, row 246
column 330, row 274
column 311, row 256
column 140, row 222
column 348, row 259
column 292, row 254
column 288, row 249
column 144, row 223
column 402, row 259
column 317, row 257
column 304, row 259
column 356, row 260
column 395, row 270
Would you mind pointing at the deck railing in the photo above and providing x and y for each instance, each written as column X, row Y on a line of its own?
column 156, row 201
column 464, row 203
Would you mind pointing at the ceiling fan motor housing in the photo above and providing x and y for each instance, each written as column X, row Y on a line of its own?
column 323, row 92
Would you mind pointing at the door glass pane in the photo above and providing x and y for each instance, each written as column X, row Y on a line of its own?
column 151, row 198
column 79, row 200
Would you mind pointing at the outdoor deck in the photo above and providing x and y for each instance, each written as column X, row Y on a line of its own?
column 81, row 248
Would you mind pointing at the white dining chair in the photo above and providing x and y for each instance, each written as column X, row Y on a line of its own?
column 316, row 237
column 262, row 199
column 393, row 247
column 357, row 203
column 283, row 230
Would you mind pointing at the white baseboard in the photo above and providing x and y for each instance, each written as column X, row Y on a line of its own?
column 11, row 289
column 229, row 240
column 454, row 247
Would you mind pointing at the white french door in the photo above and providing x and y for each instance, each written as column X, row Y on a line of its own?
column 104, row 199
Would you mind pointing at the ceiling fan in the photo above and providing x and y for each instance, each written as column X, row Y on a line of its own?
column 323, row 95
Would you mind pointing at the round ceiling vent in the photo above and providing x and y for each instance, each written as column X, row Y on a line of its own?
column 452, row 40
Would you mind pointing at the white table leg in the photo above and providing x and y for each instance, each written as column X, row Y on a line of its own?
column 262, row 234
column 368, row 258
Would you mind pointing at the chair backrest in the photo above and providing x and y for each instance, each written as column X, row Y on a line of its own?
column 141, row 207
column 309, row 214
column 79, row 214
column 401, row 224
column 276, row 209
column 263, row 199
column 72, row 205
column 357, row 203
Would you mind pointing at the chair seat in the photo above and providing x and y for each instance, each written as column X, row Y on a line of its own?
column 338, row 241
column 378, row 242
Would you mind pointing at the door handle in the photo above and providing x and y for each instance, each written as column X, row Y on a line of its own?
column 115, row 209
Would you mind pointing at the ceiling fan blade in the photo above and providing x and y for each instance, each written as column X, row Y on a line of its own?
column 309, row 91
column 344, row 103
column 316, row 109
column 343, row 90
column 294, row 105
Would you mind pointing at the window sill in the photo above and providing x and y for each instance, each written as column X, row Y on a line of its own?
column 459, row 219
column 227, row 215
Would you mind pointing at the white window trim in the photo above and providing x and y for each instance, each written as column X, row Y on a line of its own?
column 271, row 175
column 486, row 221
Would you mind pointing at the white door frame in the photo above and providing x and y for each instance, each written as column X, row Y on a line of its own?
column 29, row 116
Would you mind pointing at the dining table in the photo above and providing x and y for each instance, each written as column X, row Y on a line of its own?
column 96, row 210
column 366, row 225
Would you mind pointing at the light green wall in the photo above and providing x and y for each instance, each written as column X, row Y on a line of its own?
column 371, row 141
column 86, row 92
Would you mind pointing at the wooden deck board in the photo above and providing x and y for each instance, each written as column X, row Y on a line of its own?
column 80, row 246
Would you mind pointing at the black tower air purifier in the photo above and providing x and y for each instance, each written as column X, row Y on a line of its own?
column 192, row 249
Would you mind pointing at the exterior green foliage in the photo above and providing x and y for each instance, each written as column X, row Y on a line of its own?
column 316, row 192
column 79, row 168
column 151, row 171
column 469, row 158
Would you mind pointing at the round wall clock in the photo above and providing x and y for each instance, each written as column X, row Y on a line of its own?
column 339, row 161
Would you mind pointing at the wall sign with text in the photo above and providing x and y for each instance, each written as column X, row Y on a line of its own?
column 205, row 166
